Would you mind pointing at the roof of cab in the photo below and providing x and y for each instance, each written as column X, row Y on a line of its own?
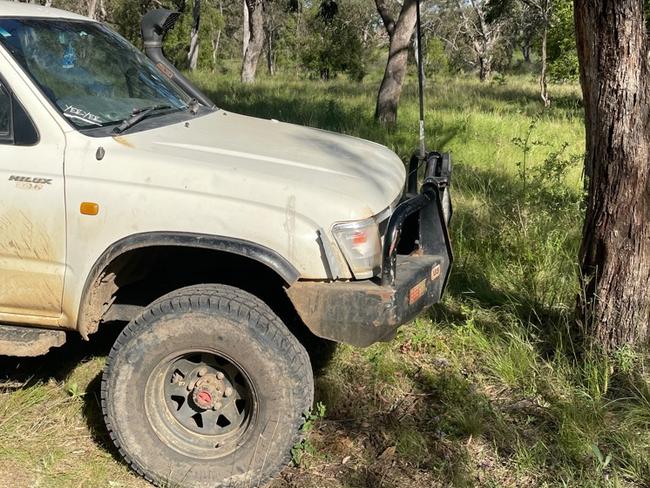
column 19, row 9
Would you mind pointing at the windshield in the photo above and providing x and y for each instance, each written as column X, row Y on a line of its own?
column 95, row 77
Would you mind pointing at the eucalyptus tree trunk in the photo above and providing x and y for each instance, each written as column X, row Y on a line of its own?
column 256, row 40
column 400, row 33
column 612, row 48
column 270, row 55
column 96, row 8
column 216, row 40
column 484, row 67
column 193, row 53
column 543, row 79
column 246, row 30
column 483, row 35
column 543, row 8
column 92, row 8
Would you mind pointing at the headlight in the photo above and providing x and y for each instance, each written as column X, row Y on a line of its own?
column 360, row 243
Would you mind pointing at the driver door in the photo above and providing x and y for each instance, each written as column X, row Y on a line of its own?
column 32, row 218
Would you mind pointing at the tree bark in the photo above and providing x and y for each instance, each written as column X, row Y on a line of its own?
column 485, row 66
column 246, row 32
column 270, row 55
column 544, row 8
column 216, row 40
column 400, row 34
column 92, row 8
column 615, row 253
column 543, row 81
column 193, row 54
column 215, row 49
column 256, row 41
column 483, row 35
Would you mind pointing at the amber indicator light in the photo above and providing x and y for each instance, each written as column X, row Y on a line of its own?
column 89, row 208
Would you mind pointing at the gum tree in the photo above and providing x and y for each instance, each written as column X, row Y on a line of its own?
column 612, row 44
column 400, row 32
column 537, row 14
column 255, row 43
column 482, row 33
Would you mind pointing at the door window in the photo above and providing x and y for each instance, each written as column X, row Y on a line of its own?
column 5, row 113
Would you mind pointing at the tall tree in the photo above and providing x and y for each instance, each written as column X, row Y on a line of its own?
column 193, row 53
column 216, row 37
column 537, row 12
column 544, row 10
column 255, row 41
column 484, row 33
column 96, row 9
column 399, row 32
column 246, row 31
column 612, row 47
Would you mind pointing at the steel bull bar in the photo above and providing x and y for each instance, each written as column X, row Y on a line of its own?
column 416, row 263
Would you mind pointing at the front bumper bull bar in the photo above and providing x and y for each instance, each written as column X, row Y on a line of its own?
column 417, row 259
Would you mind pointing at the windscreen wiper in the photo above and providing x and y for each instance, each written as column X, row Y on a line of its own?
column 137, row 116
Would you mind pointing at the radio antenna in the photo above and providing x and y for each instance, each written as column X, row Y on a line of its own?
column 422, row 146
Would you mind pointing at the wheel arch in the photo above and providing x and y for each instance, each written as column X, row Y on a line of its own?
column 100, row 286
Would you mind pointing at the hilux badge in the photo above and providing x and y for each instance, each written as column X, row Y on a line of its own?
column 29, row 183
column 27, row 179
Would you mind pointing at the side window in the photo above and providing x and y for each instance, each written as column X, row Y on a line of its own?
column 5, row 113
column 16, row 127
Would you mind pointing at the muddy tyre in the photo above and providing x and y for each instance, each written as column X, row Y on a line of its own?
column 206, row 388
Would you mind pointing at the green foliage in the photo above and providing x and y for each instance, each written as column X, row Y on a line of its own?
column 435, row 57
column 334, row 42
column 305, row 448
column 74, row 391
column 177, row 42
column 562, row 53
column 543, row 185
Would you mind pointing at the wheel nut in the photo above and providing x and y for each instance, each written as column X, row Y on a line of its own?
column 228, row 391
column 220, row 375
column 217, row 406
column 202, row 371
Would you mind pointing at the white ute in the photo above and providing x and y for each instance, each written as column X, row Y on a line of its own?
column 225, row 243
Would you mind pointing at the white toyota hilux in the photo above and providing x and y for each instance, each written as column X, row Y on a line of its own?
column 224, row 242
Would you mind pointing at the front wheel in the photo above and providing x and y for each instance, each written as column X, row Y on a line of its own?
column 206, row 388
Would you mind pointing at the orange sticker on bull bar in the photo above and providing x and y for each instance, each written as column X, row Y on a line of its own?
column 435, row 272
column 417, row 292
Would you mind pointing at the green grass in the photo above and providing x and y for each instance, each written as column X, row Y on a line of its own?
column 487, row 389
